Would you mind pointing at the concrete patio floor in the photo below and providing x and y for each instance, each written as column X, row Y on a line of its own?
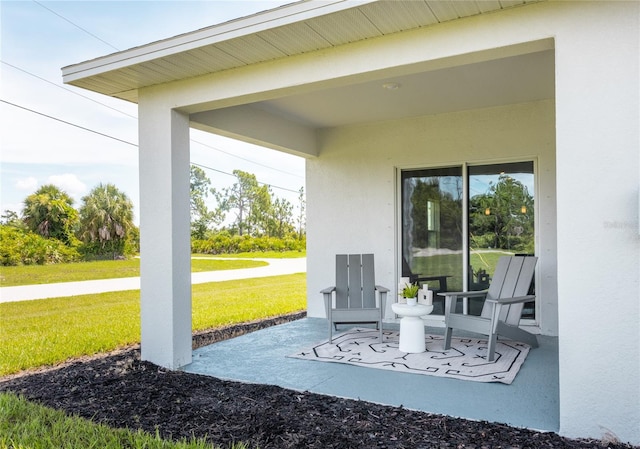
column 531, row 401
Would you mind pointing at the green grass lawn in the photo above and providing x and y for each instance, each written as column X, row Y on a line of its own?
column 48, row 331
column 26, row 425
column 104, row 269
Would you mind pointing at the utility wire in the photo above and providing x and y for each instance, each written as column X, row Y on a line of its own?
column 263, row 183
column 122, row 112
column 245, row 159
column 75, row 25
column 68, row 90
column 68, row 123
column 135, row 117
column 125, row 141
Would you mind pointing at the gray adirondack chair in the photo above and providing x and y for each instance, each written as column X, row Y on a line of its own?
column 502, row 308
column 354, row 293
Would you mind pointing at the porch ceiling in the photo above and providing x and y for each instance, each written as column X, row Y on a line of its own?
column 510, row 80
column 293, row 29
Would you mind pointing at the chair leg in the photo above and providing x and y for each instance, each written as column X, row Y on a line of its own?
column 493, row 335
column 331, row 331
column 447, row 337
column 491, row 350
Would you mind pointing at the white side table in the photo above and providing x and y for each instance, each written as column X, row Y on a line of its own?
column 411, row 326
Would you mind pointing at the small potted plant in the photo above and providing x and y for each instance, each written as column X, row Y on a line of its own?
column 410, row 292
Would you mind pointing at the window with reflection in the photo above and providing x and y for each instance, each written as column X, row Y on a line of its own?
column 499, row 219
column 432, row 240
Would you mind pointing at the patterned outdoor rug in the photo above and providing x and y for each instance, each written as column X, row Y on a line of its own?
column 465, row 360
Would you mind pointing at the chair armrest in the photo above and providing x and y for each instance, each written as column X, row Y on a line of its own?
column 450, row 299
column 326, row 295
column 516, row 300
column 474, row 294
column 383, row 298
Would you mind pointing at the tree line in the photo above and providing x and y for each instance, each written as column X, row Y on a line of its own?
column 49, row 229
column 258, row 220
column 256, row 211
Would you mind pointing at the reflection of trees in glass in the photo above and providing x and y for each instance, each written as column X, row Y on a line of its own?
column 436, row 216
column 503, row 217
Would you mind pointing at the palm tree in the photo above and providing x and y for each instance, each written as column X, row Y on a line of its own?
column 49, row 212
column 106, row 219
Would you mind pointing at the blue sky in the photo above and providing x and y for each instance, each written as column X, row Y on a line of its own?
column 38, row 38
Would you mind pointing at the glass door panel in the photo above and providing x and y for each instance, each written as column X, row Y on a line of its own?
column 501, row 221
column 432, row 237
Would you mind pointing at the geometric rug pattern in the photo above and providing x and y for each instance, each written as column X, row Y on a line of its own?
column 466, row 360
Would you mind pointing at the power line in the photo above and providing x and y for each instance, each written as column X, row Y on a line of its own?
column 68, row 90
column 135, row 117
column 230, row 174
column 244, row 159
column 68, row 123
column 122, row 112
column 125, row 141
column 75, row 25
column 117, row 110
column 213, row 169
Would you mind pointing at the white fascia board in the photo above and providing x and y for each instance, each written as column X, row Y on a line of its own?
column 282, row 16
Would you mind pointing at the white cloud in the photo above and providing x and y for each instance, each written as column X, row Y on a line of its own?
column 29, row 183
column 69, row 183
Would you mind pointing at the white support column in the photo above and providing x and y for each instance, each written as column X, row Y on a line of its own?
column 598, row 248
column 165, row 266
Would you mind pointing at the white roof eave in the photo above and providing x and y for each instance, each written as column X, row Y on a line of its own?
column 282, row 16
column 263, row 37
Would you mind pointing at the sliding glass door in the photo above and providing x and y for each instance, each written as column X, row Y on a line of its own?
column 432, row 237
column 457, row 222
column 501, row 221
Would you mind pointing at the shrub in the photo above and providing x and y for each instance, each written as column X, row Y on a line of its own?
column 225, row 243
column 106, row 219
column 112, row 249
column 22, row 247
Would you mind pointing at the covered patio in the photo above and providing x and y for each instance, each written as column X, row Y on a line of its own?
column 531, row 401
column 369, row 92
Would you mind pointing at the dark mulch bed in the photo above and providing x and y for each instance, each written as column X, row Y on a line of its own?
column 120, row 390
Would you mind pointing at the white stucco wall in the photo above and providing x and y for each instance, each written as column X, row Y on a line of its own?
column 587, row 212
column 597, row 183
column 353, row 196
column 598, row 147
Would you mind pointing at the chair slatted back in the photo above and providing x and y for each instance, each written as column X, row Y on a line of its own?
column 355, row 281
column 512, row 278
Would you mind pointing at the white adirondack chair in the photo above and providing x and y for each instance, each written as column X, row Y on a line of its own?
column 353, row 299
column 502, row 308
